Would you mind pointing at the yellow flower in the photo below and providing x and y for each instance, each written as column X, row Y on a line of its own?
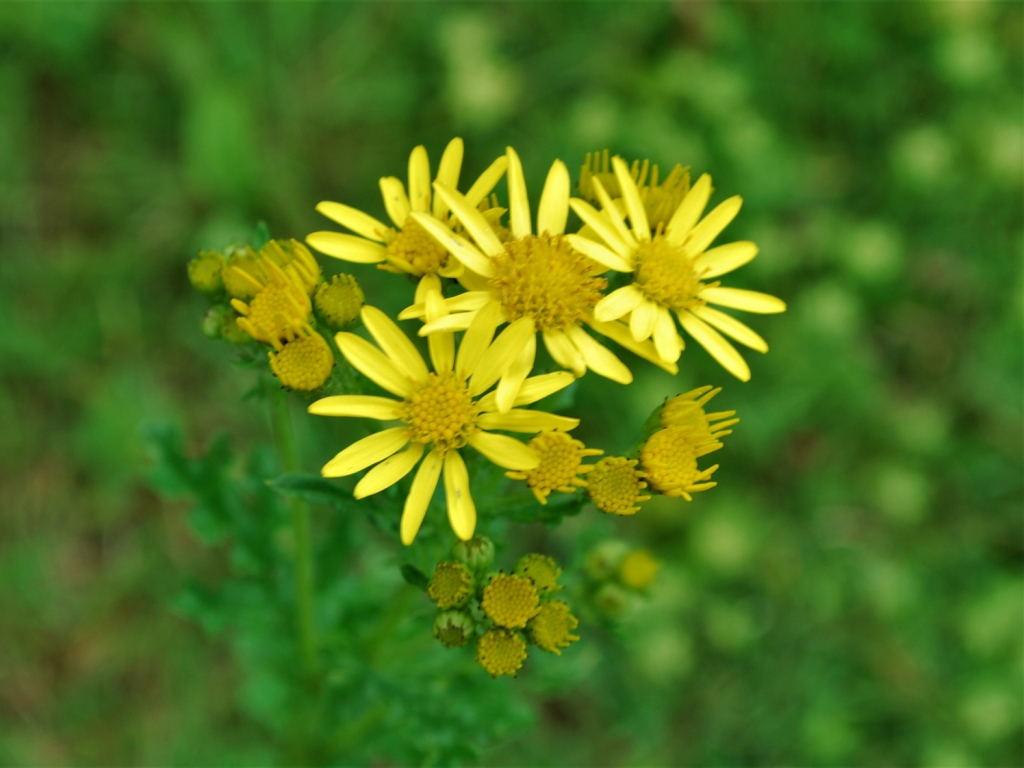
column 279, row 308
column 442, row 411
column 451, row 585
column 538, row 282
column 670, row 271
column 204, row 271
column 303, row 362
column 616, row 486
column 241, row 265
column 561, row 463
column 660, row 199
column 510, row 601
column 542, row 570
column 551, row 629
column 501, row 652
column 687, row 410
column 406, row 248
column 669, row 460
column 339, row 301
column 638, row 569
column 295, row 260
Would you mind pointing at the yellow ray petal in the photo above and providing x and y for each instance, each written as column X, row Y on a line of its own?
column 459, row 321
column 461, row 509
column 641, row 322
column 505, row 451
column 395, row 344
column 606, row 257
column 419, row 180
column 748, row 301
column 730, row 326
column 604, row 229
column 612, row 210
column 420, row 494
column 631, row 196
column 553, row 211
column 510, row 382
column 429, row 283
column 521, row 420
column 473, row 281
column 518, row 202
column 346, row 247
column 564, row 352
column 448, row 172
column 474, row 222
column 689, row 211
column 724, row 259
column 534, row 388
column 440, row 343
column 388, row 472
column 367, row 451
column 619, row 332
column 618, row 303
column 477, row 339
column 667, row 341
column 395, row 200
column 599, row 358
column 361, row 223
column 501, row 355
column 359, row 406
column 457, row 246
column 712, row 225
column 486, row 182
column 373, row 364
column 720, row 349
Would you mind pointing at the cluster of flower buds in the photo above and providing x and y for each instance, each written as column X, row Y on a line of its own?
column 617, row 575
column 503, row 613
column 277, row 296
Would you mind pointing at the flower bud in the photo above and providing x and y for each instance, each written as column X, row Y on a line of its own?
column 204, row 272
column 339, row 301
column 477, row 553
column 453, row 628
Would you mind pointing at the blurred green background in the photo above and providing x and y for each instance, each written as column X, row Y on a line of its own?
column 850, row 594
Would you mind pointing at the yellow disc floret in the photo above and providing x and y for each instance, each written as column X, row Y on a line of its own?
column 666, row 275
column 638, row 569
column 413, row 251
column 541, row 570
column 451, row 585
column 442, row 412
column 669, row 459
column 545, row 279
column 561, row 463
column 304, row 362
column 615, row 486
column 510, row 601
column 501, row 652
column 339, row 301
column 551, row 629
column 687, row 410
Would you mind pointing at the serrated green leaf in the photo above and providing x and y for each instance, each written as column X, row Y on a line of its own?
column 414, row 576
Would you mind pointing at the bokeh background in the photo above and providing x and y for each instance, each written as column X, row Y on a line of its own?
column 850, row 594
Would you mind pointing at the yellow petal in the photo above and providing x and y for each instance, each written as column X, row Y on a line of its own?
column 474, row 222
column 359, row 406
column 619, row 332
column 459, row 321
column 603, row 256
column 604, row 229
column 534, row 388
column 510, row 382
column 618, row 303
column 500, row 356
column 641, row 322
column 388, row 472
column 373, row 364
column 720, row 349
column 395, row 344
column 347, row 247
column 448, row 173
column 712, row 225
column 599, row 358
column 486, row 182
column 518, row 203
column 477, row 339
column 724, row 259
column 395, row 200
column 521, row 420
column 631, row 196
column 730, row 326
column 420, row 494
column 612, row 210
column 457, row 246
column 361, row 223
column 748, row 301
column 440, row 343
column 564, row 352
column 470, row 301
column 553, row 211
column 429, row 283
column 367, row 451
column 689, row 211
column 419, row 180
column 461, row 509
column 505, row 451
column 667, row 341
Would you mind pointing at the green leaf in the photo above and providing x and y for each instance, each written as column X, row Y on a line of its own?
column 315, row 490
column 260, row 235
column 414, row 576
column 524, row 508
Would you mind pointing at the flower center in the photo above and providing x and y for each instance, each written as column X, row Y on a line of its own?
column 340, row 300
column 665, row 274
column 638, row 569
column 501, row 652
column 615, row 486
column 551, row 629
column 276, row 310
column 304, row 363
column 441, row 412
column 510, row 601
column 452, row 583
column 670, row 456
column 541, row 570
column 415, row 251
column 545, row 279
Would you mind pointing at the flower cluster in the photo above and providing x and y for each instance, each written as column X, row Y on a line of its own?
column 616, row 576
column 502, row 613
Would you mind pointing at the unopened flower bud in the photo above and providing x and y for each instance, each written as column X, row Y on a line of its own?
column 339, row 301
column 204, row 272
column 477, row 553
column 453, row 628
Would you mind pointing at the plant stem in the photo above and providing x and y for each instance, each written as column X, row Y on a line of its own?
column 304, row 622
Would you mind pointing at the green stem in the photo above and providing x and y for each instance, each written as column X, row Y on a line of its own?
column 304, row 622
